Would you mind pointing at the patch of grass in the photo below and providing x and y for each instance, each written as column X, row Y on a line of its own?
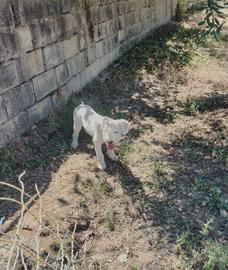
column 98, row 187
column 64, row 122
column 110, row 219
column 212, row 256
column 217, row 256
column 207, row 103
column 124, row 150
column 134, row 267
column 7, row 164
column 163, row 183
column 220, row 154
column 160, row 168
column 186, row 242
column 39, row 149
column 174, row 48
column 210, row 194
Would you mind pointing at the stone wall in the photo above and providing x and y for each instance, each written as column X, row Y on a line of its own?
column 50, row 49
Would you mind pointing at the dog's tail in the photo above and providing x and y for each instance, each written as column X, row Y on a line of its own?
column 82, row 103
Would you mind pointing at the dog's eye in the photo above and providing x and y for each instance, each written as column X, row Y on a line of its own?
column 116, row 132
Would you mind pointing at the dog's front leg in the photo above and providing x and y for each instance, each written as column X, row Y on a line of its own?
column 100, row 157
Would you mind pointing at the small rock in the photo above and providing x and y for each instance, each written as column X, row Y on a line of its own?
column 122, row 258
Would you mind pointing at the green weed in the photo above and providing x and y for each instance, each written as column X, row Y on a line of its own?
column 201, row 104
column 98, row 187
column 110, row 219
column 124, row 150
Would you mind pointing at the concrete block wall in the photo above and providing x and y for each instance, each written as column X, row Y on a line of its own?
column 52, row 49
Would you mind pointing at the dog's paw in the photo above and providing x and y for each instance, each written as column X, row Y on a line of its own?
column 74, row 145
column 113, row 157
column 101, row 166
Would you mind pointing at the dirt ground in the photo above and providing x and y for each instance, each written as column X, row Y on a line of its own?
column 164, row 204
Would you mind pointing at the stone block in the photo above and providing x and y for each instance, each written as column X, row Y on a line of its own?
column 99, row 49
column 91, row 54
column 8, row 133
column 85, row 77
column 44, row 84
column 68, row 5
column 19, row 99
column 70, row 24
column 80, row 16
column 121, row 22
column 53, row 55
column 62, row 95
column 21, row 123
column 95, row 69
column 121, row 35
column 45, row 32
column 76, row 64
column 31, row 64
column 73, row 86
column 8, row 44
column 8, row 76
column 40, row 110
column 96, row 14
column 3, row 115
column 6, row 18
column 23, row 38
column 112, row 27
column 123, row 48
column 100, row 31
column 82, row 40
column 62, row 74
column 71, row 46
column 13, row 129
column 108, row 44
column 57, row 99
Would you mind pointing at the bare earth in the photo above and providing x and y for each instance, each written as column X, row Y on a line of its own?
column 144, row 210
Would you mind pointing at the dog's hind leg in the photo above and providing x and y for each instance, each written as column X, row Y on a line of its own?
column 76, row 129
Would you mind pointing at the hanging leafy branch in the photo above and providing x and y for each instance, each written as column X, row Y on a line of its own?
column 214, row 19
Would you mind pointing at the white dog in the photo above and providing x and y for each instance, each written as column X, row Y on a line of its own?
column 101, row 129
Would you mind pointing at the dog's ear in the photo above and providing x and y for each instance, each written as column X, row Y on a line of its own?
column 124, row 126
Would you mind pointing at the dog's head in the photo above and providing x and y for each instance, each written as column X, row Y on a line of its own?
column 115, row 130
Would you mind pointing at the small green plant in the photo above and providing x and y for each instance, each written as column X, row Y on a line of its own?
column 206, row 227
column 191, row 107
column 110, row 219
column 163, row 183
column 205, row 103
column 124, row 150
column 134, row 268
column 212, row 199
column 212, row 256
column 200, row 184
column 187, row 241
column 216, row 256
column 98, row 188
column 160, row 168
